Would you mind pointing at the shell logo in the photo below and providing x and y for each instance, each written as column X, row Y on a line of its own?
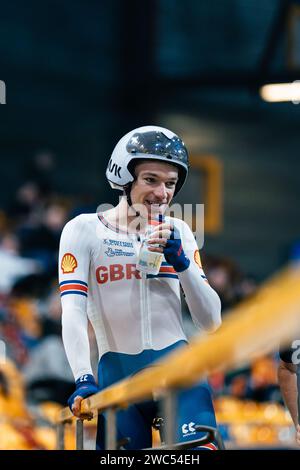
column 68, row 263
column 197, row 258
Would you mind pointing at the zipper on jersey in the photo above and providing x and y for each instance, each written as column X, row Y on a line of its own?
column 144, row 306
column 145, row 313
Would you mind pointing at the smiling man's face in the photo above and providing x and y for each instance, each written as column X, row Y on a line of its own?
column 154, row 186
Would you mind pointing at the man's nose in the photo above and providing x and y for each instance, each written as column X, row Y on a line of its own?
column 161, row 191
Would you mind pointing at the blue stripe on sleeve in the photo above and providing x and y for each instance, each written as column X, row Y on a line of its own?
column 73, row 292
column 172, row 276
column 73, row 282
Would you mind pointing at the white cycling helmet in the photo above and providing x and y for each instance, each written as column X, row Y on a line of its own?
column 148, row 142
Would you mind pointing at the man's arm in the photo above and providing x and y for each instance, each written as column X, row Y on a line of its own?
column 74, row 261
column 203, row 302
column 287, row 379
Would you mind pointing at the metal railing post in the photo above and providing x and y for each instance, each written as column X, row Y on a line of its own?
column 79, row 434
column 60, row 436
column 110, row 429
column 169, row 415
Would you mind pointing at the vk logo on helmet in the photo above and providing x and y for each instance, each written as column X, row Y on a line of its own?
column 114, row 168
column 188, row 428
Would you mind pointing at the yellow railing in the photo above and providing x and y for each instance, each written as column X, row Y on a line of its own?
column 254, row 327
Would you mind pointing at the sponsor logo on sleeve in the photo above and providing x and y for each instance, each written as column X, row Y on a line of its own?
column 199, row 264
column 68, row 263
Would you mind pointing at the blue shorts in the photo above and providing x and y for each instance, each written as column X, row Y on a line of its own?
column 194, row 405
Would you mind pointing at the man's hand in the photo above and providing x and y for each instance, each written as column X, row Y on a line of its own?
column 168, row 237
column 85, row 386
column 160, row 236
column 297, row 436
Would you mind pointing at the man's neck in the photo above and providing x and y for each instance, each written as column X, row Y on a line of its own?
column 126, row 218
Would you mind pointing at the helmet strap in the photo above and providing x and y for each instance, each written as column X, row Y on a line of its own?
column 127, row 191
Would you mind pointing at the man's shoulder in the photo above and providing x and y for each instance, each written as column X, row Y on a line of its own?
column 178, row 223
column 174, row 220
column 82, row 220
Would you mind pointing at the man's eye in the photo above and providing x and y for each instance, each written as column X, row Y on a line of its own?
column 171, row 184
column 150, row 180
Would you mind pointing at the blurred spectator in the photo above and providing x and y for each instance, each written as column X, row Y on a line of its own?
column 227, row 279
column 237, row 383
column 13, row 266
column 246, row 287
column 47, row 373
column 239, row 386
column 27, row 201
column 264, row 385
column 217, row 383
column 20, row 328
column 12, row 394
column 40, row 171
column 222, row 275
column 34, row 286
column 40, row 240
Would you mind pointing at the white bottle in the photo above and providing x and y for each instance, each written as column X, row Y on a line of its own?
column 149, row 262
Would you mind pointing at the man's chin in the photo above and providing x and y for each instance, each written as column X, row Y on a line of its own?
column 154, row 212
column 146, row 210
